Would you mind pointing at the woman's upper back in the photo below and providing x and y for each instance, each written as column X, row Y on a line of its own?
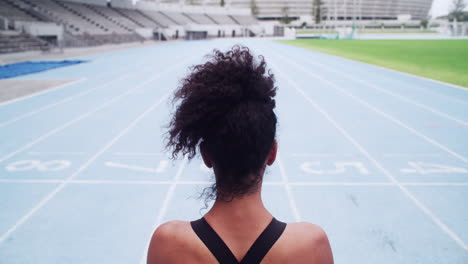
column 176, row 242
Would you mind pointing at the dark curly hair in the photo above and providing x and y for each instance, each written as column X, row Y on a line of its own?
column 226, row 106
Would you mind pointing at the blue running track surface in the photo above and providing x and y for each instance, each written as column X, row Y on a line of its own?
column 377, row 158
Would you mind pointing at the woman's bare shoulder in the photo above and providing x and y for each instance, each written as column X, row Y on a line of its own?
column 309, row 243
column 171, row 229
column 168, row 240
column 307, row 232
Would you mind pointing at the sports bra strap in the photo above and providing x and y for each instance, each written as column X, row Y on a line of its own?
column 220, row 250
column 213, row 242
column 264, row 242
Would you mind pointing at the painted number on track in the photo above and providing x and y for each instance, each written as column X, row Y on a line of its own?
column 28, row 165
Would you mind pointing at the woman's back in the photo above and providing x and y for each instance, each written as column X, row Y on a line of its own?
column 239, row 223
column 176, row 242
column 226, row 113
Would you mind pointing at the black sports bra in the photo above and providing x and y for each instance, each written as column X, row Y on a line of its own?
column 219, row 249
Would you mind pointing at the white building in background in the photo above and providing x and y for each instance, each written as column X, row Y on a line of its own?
column 341, row 9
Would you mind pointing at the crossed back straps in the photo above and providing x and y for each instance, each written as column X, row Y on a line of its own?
column 223, row 254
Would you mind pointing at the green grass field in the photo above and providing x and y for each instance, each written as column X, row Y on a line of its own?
column 443, row 60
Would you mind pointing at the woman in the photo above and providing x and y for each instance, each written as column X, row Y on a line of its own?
column 226, row 112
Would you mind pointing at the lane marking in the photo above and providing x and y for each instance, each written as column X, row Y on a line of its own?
column 138, row 154
column 131, row 72
column 321, row 155
column 75, row 96
column 390, row 177
column 342, row 184
column 394, row 94
column 373, row 108
column 417, row 167
column 285, row 181
column 36, row 153
column 163, row 164
column 67, row 99
column 30, row 181
column 412, row 155
column 165, row 205
column 28, row 96
column 86, row 114
column 27, row 165
column 49, row 196
column 146, row 182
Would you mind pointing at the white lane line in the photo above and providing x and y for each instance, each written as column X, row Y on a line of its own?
column 342, row 184
column 85, row 115
column 79, row 170
column 165, row 205
column 130, row 72
column 30, row 181
column 322, row 155
column 442, row 184
column 394, row 94
column 58, row 87
column 40, row 153
column 70, row 98
column 131, row 167
column 285, row 181
column 67, row 99
column 378, row 111
column 392, row 179
column 138, row 154
column 412, row 155
column 150, row 182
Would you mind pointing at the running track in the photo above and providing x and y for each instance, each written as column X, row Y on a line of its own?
column 379, row 159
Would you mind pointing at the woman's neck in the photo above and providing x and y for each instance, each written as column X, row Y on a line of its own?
column 247, row 209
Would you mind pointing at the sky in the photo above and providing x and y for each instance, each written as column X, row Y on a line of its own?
column 441, row 7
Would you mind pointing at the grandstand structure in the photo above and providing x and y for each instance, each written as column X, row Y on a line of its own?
column 42, row 23
column 345, row 10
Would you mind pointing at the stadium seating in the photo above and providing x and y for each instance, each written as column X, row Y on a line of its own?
column 179, row 18
column 137, row 17
column 244, row 20
column 14, row 42
column 89, row 24
column 160, row 18
column 201, row 19
column 113, row 19
column 16, row 11
column 75, row 22
column 222, row 19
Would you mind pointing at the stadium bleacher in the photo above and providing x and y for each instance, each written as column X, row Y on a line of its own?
column 75, row 22
column 222, row 19
column 94, row 24
column 118, row 22
column 244, row 19
column 201, row 19
column 16, row 11
column 159, row 18
column 16, row 42
column 137, row 17
column 178, row 18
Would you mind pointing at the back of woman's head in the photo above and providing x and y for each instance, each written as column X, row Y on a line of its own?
column 225, row 106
